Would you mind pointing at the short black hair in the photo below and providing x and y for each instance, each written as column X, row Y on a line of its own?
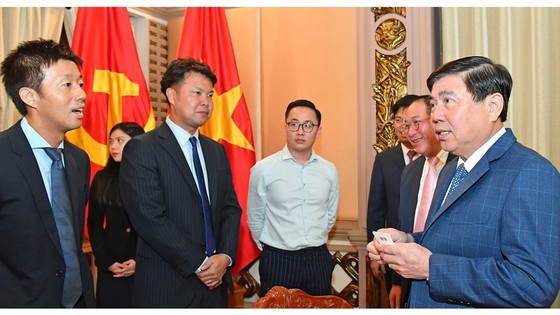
column 403, row 102
column 180, row 68
column 25, row 65
column 426, row 100
column 481, row 76
column 303, row 103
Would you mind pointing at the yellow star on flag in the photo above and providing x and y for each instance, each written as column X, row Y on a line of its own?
column 221, row 125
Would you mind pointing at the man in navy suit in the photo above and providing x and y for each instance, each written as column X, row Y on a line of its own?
column 177, row 188
column 383, row 200
column 40, row 241
column 491, row 239
column 417, row 182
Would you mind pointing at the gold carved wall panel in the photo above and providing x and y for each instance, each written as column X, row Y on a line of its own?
column 391, row 65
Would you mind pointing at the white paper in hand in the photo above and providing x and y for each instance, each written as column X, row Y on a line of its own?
column 383, row 238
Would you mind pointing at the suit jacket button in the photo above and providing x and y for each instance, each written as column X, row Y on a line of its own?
column 201, row 214
column 59, row 273
column 203, row 246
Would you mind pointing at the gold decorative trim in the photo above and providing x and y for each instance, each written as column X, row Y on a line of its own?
column 349, row 263
column 379, row 12
column 390, row 71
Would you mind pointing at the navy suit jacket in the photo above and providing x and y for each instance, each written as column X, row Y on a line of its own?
column 31, row 261
column 383, row 201
column 162, row 200
column 495, row 240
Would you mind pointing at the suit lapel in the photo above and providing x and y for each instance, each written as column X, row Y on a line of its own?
column 416, row 168
column 171, row 145
column 481, row 168
column 28, row 166
column 398, row 158
column 472, row 177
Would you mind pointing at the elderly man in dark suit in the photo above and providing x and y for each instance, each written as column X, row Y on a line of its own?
column 383, row 200
column 418, row 181
column 43, row 198
column 491, row 238
column 177, row 188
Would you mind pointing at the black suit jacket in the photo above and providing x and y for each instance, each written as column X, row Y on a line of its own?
column 31, row 260
column 383, row 201
column 111, row 235
column 164, row 206
column 410, row 185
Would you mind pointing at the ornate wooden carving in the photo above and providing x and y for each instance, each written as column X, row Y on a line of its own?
column 280, row 297
column 348, row 263
column 246, row 280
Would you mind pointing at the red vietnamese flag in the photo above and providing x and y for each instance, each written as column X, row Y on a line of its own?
column 113, row 80
column 205, row 36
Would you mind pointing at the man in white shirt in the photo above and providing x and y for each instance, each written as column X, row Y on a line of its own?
column 292, row 206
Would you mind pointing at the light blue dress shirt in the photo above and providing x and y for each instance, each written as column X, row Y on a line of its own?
column 292, row 206
column 43, row 160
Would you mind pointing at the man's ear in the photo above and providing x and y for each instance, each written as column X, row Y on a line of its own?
column 29, row 96
column 495, row 106
column 171, row 95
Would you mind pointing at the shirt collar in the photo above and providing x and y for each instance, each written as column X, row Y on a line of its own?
column 35, row 139
column 479, row 153
column 181, row 134
column 442, row 156
column 286, row 155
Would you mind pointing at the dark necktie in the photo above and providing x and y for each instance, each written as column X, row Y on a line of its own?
column 62, row 211
column 210, row 239
column 460, row 173
column 411, row 155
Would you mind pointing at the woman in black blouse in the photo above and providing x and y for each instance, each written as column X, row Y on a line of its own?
column 112, row 237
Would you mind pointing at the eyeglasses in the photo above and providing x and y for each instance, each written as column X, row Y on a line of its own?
column 307, row 126
column 414, row 125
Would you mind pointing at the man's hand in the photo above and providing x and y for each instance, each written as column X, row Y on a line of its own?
column 396, row 235
column 410, row 260
column 395, row 296
column 378, row 269
column 213, row 270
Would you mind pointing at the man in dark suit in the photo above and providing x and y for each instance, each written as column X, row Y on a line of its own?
column 41, row 259
column 418, row 181
column 491, row 239
column 383, row 200
column 182, row 261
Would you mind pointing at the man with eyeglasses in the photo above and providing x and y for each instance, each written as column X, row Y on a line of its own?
column 293, row 202
column 384, row 190
column 418, row 181
column 491, row 238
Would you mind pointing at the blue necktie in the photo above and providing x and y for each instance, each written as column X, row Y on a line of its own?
column 460, row 173
column 210, row 239
column 62, row 211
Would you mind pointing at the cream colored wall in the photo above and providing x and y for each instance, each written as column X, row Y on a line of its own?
column 310, row 53
column 284, row 54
